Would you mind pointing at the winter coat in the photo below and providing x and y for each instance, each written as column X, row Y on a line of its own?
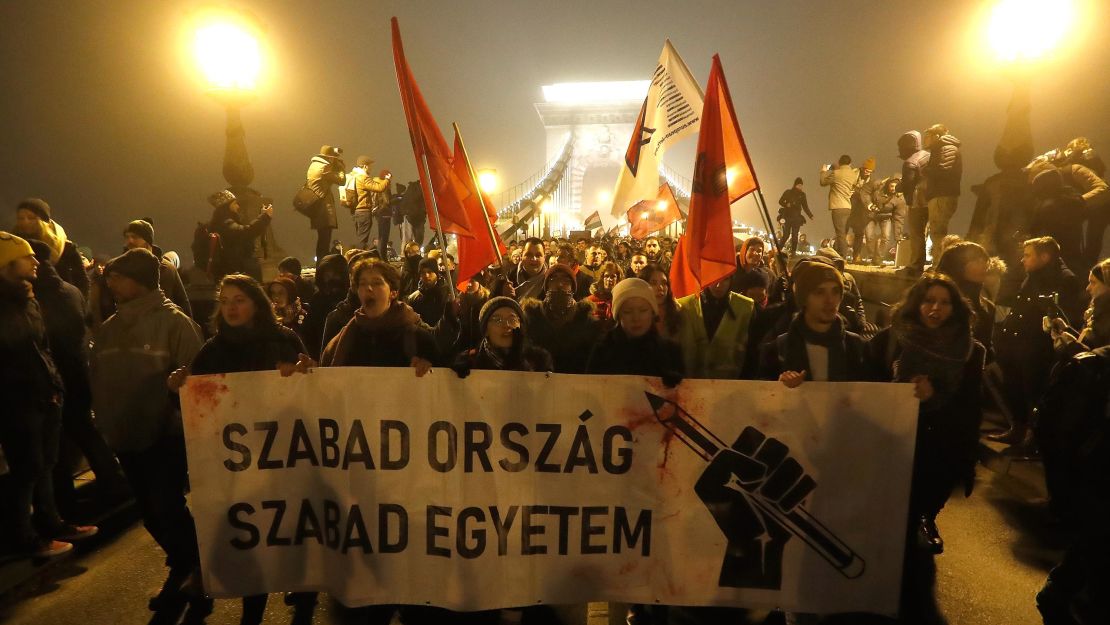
column 391, row 340
column 323, row 174
column 651, row 355
column 914, row 159
column 410, row 275
column 792, row 203
column 1021, row 336
column 170, row 283
column 570, row 343
column 603, row 305
column 323, row 302
column 1003, row 207
column 788, row 352
column 29, row 378
column 945, row 168
column 368, row 190
column 133, row 353
column 340, row 314
column 485, row 358
column 234, row 350
column 947, row 432
column 842, row 181
column 412, row 204
column 861, row 201
column 1096, row 329
column 429, row 301
column 721, row 356
column 63, row 312
column 71, row 268
column 236, row 239
column 887, row 204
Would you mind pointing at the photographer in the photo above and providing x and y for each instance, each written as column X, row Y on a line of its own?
column 1025, row 353
column 236, row 237
column 325, row 170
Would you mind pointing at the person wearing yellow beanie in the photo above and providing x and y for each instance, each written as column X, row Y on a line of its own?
column 13, row 248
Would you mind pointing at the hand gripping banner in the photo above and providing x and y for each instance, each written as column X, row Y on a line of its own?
column 515, row 489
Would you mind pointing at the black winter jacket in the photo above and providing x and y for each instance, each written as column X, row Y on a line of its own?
column 234, row 350
column 63, row 312
column 29, row 379
column 570, row 343
column 651, row 355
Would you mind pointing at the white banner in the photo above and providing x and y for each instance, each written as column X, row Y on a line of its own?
column 671, row 112
column 515, row 489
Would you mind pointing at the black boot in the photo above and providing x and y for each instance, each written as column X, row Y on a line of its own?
column 928, row 536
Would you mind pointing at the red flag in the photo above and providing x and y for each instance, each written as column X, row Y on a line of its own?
column 722, row 174
column 477, row 253
column 428, row 141
column 646, row 217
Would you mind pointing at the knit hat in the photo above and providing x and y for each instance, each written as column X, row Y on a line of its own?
column 869, row 164
column 428, row 264
column 222, row 198
column 141, row 229
column 758, row 277
column 37, row 206
column 810, row 273
column 633, row 287
column 138, row 264
column 13, row 247
column 563, row 269
column 492, row 305
column 364, row 161
column 797, row 181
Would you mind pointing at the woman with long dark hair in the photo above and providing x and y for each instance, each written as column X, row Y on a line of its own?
column 967, row 264
column 248, row 337
column 930, row 345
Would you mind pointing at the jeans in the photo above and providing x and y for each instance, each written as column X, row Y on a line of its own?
column 30, row 444
column 878, row 237
column 840, row 226
column 364, row 224
column 414, row 231
column 158, row 476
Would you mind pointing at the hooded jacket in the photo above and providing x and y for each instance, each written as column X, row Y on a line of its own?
column 914, row 159
column 236, row 238
column 945, row 168
column 134, row 352
column 324, row 301
column 323, row 174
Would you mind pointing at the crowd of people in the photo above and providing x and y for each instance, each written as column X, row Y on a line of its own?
column 117, row 339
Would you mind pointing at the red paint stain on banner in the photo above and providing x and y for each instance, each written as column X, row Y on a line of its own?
column 206, row 394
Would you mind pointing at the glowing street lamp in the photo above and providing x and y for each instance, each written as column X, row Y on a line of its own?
column 1027, row 30
column 226, row 46
column 488, row 180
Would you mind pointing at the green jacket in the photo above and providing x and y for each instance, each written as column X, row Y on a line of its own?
column 133, row 353
column 721, row 357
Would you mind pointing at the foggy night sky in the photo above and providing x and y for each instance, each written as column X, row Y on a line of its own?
column 104, row 117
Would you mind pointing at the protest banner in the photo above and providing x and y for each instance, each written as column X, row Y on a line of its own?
column 514, row 489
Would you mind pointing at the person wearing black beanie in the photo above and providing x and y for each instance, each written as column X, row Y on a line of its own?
column 792, row 204
column 504, row 345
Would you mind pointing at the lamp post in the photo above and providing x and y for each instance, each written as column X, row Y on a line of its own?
column 228, row 51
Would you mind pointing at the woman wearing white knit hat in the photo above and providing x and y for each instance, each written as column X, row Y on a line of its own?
column 634, row 346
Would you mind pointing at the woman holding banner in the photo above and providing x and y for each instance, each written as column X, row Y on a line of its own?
column 250, row 338
column 384, row 331
column 930, row 344
column 634, row 346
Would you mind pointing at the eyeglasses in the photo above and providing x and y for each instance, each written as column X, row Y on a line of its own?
column 511, row 321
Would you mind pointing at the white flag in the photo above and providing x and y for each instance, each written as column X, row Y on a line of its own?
column 670, row 113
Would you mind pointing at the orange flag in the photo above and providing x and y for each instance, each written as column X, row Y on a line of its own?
column 646, row 217
column 428, row 141
column 723, row 173
column 479, row 252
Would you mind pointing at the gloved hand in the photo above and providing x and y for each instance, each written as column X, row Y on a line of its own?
column 671, row 379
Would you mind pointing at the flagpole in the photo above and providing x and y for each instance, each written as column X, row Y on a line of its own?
column 481, row 197
column 766, row 214
column 439, row 224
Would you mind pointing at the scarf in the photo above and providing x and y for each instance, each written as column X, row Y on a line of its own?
column 397, row 317
column 939, row 353
column 831, row 339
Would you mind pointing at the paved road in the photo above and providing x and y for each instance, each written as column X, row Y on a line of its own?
column 993, row 565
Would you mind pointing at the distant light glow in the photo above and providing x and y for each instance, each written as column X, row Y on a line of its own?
column 587, row 92
column 661, row 205
column 229, row 54
column 547, row 207
column 1029, row 29
column 488, row 180
column 645, row 215
column 604, row 196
